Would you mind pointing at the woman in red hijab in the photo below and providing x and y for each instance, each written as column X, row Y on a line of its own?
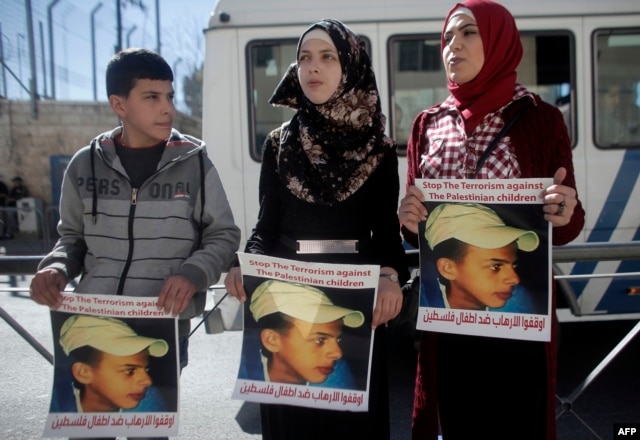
column 470, row 386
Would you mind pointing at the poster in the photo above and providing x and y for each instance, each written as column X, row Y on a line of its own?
column 115, row 368
column 307, row 333
column 485, row 258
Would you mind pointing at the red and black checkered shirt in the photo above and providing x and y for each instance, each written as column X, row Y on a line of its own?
column 450, row 154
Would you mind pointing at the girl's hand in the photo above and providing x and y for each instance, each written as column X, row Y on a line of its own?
column 412, row 211
column 233, row 283
column 388, row 301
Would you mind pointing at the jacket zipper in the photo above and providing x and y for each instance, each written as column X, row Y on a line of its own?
column 127, row 265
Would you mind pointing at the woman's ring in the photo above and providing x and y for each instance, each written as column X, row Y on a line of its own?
column 561, row 206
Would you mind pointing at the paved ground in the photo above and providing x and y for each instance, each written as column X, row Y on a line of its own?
column 208, row 412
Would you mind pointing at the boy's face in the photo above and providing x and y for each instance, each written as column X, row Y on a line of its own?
column 116, row 382
column 147, row 113
column 484, row 277
column 306, row 353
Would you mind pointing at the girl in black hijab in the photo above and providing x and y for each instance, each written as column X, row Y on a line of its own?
column 330, row 175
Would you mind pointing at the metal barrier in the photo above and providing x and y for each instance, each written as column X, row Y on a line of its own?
column 26, row 265
column 592, row 252
column 596, row 252
column 19, row 264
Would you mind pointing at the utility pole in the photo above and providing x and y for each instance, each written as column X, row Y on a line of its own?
column 4, row 72
column 52, row 65
column 129, row 32
column 44, row 65
column 93, row 50
column 119, row 26
column 20, row 38
column 33, row 84
column 158, row 26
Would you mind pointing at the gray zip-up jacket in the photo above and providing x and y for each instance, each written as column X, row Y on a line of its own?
column 128, row 241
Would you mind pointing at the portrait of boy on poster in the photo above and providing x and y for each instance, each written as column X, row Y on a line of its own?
column 107, row 366
column 306, row 339
column 484, row 267
column 115, row 369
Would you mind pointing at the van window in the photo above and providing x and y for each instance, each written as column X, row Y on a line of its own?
column 417, row 81
column 616, row 84
column 417, row 77
column 267, row 62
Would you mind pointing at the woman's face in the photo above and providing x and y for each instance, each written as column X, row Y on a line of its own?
column 319, row 70
column 463, row 53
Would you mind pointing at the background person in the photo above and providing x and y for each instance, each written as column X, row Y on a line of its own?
column 328, row 193
column 481, row 49
column 611, row 126
column 18, row 191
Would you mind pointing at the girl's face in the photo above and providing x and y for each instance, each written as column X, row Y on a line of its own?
column 319, row 70
column 463, row 52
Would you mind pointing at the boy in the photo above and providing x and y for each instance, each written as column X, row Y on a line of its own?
column 110, row 366
column 142, row 211
column 475, row 255
column 301, row 332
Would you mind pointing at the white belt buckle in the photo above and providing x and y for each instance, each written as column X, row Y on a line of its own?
column 327, row 246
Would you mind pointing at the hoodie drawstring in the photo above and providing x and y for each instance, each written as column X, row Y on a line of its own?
column 94, row 202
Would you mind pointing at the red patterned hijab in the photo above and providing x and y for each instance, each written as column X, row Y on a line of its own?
column 494, row 85
column 328, row 151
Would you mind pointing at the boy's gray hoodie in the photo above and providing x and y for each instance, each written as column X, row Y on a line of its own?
column 128, row 241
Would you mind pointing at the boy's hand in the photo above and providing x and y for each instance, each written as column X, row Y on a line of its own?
column 46, row 287
column 175, row 295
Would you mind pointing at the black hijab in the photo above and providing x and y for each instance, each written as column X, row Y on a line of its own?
column 328, row 151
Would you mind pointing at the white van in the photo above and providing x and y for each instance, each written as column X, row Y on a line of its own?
column 579, row 55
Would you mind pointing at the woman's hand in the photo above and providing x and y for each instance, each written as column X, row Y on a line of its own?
column 412, row 211
column 388, row 301
column 559, row 200
column 233, row 283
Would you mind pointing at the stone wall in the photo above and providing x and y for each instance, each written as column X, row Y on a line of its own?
column 61, row 128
